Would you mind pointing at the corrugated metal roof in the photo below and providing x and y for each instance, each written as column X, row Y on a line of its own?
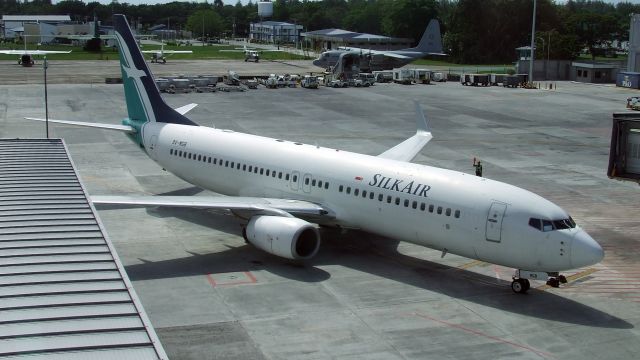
column 63, row 291
column 36, row 18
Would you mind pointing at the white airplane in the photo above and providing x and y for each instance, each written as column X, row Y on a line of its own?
column 284, row 188
column 25, row 57
column 251, row 54
column 159, row 55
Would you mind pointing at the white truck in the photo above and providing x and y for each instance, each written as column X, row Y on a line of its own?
column 403, row 76
column 309, row 82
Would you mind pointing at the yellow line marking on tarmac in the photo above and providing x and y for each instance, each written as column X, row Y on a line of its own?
column 572, row 278
column 470, row 264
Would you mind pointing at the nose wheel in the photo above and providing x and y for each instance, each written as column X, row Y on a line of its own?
column 520, row 286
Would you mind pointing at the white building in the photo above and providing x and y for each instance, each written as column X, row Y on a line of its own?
column 274, row 32
column 43, row 25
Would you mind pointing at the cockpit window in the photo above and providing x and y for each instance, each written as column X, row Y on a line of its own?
column 549, row 225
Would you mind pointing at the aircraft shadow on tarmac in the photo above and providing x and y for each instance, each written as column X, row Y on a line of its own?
column 369, row 254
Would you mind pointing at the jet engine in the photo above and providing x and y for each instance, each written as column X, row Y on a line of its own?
column 291, row 238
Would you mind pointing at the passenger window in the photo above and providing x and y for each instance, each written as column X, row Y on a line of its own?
column 414, row 205
column 267, row 172
column 295, row 178
column 406, row 203
column 389, row 199
column 273, row 174
column 250, row 168
column 371, row 195
column 189, row 156
column 244, row 167
column 356, row 192
column 397, row 201
column 226, row 163
column 215, row 161
column 287, row 177
column 262, row 173
column 238, row 166
column 348, row 190
column 306, row 181
column 439, row 210
column 170, row 151
column 422, row 206
column 326, row 185
column 380, row 197
column 180, row 153
column 535, row 223
column 448, row 212
column 313, row 182
column 364, row 193
column 341, row 188
column 210, row 159
column 457, row 214
column 280, row 175
column 320, row 184
column 431, row 208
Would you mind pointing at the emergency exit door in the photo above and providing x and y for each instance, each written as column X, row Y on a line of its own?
column 494, row 221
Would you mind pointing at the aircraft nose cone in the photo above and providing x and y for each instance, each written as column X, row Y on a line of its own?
column 585, row 251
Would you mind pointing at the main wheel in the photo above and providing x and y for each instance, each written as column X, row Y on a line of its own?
column 519, row 286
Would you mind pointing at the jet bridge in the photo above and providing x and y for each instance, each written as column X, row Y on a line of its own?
column 624, row 155
column 64, row 293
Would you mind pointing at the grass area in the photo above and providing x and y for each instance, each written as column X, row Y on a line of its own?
column 199, row 52
column 491, row 68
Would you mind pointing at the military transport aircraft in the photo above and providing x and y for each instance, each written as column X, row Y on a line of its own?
column 284, row 188
column 375, row 60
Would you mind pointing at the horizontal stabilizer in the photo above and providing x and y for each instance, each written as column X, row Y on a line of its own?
column 409, row 149
column 123, row 128
column 185, row 109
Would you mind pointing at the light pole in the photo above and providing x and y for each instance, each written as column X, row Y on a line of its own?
column 545, row 64
column 533, row 35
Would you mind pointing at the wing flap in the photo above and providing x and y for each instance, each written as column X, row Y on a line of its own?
column 270, row 206
column 123, row 128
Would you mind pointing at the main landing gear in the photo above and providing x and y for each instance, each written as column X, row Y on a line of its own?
column 520, row 283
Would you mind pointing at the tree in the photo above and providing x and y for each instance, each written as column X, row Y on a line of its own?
column 593, row 30
column 205, row 23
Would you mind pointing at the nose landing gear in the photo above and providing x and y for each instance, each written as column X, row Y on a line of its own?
column 521, row 284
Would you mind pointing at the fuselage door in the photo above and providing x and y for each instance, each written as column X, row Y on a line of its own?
column 295, row 178
column 306, row 183
column 494, row 221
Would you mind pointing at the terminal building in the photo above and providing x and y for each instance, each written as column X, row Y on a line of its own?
column 275, row 32
column 45, row 25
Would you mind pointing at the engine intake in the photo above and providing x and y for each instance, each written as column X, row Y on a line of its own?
column 291, row 238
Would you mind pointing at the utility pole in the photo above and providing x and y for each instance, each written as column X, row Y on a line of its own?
column 45, row 65
column 533, row 35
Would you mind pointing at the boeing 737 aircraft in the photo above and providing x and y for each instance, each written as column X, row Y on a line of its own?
column 430, row 44
column 283, row 189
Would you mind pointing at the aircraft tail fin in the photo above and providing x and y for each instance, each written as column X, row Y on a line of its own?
column 144, row 103
column 431, row 41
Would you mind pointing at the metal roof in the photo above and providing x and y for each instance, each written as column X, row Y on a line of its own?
column 340, row 34
column 64, row 293
column 36, row 18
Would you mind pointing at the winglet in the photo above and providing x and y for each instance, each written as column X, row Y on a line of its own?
column 421, row 120
column 408, row 149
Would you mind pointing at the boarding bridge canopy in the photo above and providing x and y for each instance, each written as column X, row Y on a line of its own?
column 63, row 291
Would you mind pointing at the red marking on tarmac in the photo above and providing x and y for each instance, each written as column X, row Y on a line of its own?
column 479, row 333
column 251, row 280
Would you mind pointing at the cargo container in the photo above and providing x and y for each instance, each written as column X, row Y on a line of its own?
column 628, row 79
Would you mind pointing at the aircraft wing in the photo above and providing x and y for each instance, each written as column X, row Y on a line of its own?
column 168, row 51
column 265, row 206
column 408, row 149
column 356, row 50
column 32, row 52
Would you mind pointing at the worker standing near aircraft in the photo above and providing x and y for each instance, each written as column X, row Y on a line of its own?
column 478, row 166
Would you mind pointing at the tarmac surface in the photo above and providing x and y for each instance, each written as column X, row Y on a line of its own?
column 211, row 296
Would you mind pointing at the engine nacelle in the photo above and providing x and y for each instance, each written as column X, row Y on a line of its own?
column 291, row 238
